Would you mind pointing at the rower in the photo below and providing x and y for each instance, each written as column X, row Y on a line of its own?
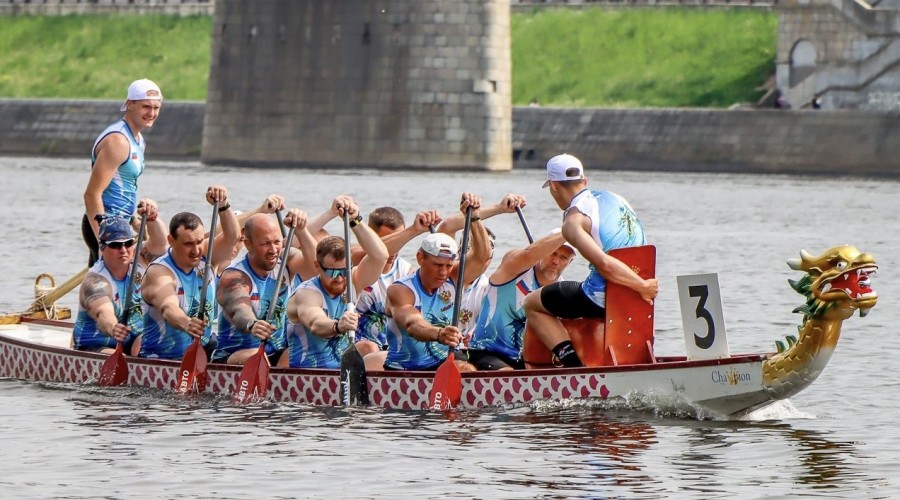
column 419, row 306
column 102, row 294
column 499, row 330
column 172, row 285
column 595, row 222
column 246, row 289
column 318, row 318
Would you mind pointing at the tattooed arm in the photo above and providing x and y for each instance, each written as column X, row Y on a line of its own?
column 233, row 294
column 96, row 297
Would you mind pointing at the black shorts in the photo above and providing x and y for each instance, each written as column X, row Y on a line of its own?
column 429, row 369
column 566, row 299
column 90, row 239
column 489, row 360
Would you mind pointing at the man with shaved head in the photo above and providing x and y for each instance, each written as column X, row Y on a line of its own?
column 246, row 289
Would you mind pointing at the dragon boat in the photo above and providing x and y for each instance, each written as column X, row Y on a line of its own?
column 35, row 346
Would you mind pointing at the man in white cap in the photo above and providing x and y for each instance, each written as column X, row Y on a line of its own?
column 500, row 327
column 594, row 222
column 420, row 306
column 117, row 160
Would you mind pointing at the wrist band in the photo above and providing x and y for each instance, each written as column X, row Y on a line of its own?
column 440, row 330
column 224, row 207
column 356, row 221
column 476, row 218
column 335, row 327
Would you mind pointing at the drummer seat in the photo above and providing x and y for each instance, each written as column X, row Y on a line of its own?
column 625, row 337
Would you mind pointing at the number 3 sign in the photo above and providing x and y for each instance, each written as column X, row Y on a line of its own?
column 701, row 315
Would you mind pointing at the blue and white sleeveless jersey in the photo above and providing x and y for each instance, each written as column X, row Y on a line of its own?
column 120, row 196
column 234, row 339
column 501, row 325
column 613, row 225
column 407, row 353
column 161, row 339
column 370, row 304
column 86, row 334
column 470, row 306
column 308, row 350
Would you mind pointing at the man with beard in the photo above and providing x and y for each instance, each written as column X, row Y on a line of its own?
column 318, row 318
column 246, row 289
column 173, row 283
column 420, row 306
column 500, row 327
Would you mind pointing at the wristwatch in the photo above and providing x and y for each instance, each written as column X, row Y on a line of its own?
column 356, row 221
column 251, row 324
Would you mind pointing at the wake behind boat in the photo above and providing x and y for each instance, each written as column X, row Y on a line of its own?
column 835, row 285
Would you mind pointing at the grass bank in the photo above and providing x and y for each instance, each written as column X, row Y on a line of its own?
column 590, row 57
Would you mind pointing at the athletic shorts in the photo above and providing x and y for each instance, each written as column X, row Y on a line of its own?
column 489, row 360
column 566, row 299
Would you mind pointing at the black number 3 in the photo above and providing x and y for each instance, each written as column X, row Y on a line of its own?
column 707, row 340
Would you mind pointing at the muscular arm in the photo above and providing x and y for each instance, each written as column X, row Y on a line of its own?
column 233, row 294
column 517, row 261
column 159, row 290
column 302, row 262
column 576, row 229
column 400, row 305
column 477, row 257
column 156, row 243
column 311, row 314
column 227, row 239
column 370, row 267
column 96, row 297
column 111, row 152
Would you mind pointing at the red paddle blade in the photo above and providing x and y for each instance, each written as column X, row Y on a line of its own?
column 192, row 373
column 253, row 382
column 446, row 390
column 114, row 370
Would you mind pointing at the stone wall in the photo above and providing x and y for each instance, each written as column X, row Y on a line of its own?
column 69, row 128
column 397, row 83
column 855, row 143
column 759, row 141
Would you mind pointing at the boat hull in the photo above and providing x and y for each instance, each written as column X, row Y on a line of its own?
column 733, row 386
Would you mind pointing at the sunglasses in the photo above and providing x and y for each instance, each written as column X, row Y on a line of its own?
column 117, row 245
column 335, row 272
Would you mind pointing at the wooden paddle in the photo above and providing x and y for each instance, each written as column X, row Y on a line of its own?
column 192, row 373
column 524, row 225
column 114, row 370
column 446, row 390
column 253, row 382
column 354, row 388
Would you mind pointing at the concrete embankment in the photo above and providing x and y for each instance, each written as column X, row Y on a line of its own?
column 803, row 142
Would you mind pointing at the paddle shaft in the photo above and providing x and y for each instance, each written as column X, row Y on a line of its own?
column 348, row 263
column 461, row 272
column 524, row 225
column 209, row 255
column 129, row 292
column 281, row 266
column 281, row 223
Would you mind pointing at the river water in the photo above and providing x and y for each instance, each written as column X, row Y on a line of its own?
column 836, row 439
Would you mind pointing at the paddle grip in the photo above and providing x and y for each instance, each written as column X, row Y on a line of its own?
column 524, row 225
column 209, row 253
column 129, row 292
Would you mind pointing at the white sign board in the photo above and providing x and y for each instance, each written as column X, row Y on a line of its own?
column 701, row 315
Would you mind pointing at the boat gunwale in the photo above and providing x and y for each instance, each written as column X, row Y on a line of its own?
column 663, row 363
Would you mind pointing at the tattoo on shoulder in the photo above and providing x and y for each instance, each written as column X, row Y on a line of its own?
column 232, row 285
column 150, row 256
column 94, row 287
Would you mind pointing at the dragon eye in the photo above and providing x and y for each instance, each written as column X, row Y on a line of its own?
column 841, row 265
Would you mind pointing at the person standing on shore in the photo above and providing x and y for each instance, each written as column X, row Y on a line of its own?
column 117, row 160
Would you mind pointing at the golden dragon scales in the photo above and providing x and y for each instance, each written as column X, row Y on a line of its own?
column 837, row 284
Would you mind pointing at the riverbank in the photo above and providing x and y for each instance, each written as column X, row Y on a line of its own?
column 589, row 57
column 816, row 142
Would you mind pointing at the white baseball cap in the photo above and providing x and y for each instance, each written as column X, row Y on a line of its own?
column 440, row 245
column 140, row 90
column 558, row 230
column 564, row 167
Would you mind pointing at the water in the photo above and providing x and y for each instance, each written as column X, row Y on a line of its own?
column 836, row 439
